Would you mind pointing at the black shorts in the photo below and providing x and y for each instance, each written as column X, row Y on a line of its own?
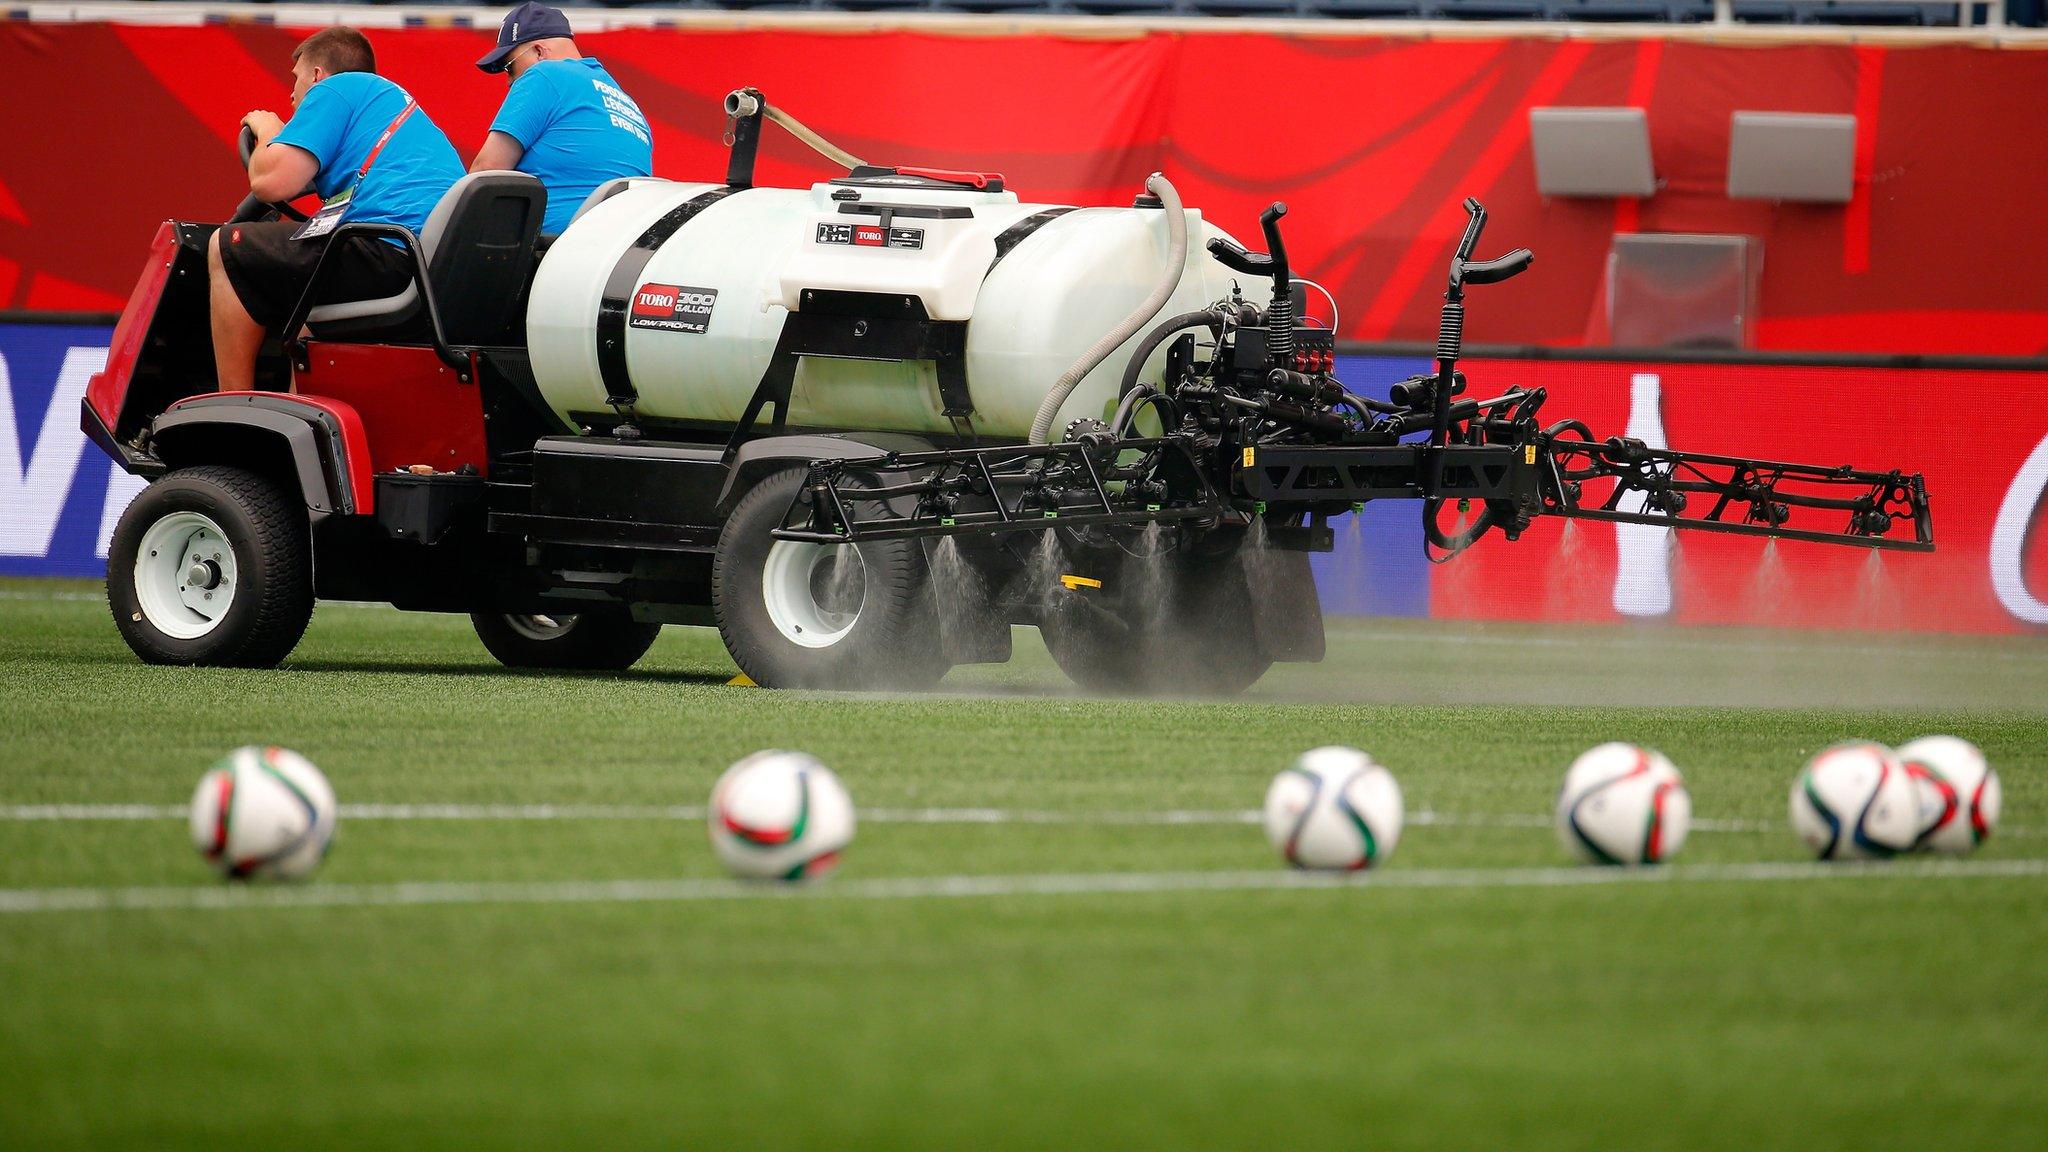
column 269, row 270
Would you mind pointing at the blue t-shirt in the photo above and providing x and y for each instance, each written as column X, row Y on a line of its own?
column 340, row 120
column 579, row 129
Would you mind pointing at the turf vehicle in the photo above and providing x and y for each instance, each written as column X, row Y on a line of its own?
column 863, row 427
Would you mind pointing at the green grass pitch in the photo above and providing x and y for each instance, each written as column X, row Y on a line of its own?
column 1900, row 1010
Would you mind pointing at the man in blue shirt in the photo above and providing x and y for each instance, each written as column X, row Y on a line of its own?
column 565, row 121
column 369, row 151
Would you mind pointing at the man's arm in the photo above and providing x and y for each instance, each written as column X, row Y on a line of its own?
column 500, row 153
column 276, row 174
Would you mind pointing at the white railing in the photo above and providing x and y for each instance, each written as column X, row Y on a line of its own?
column 1723, row 27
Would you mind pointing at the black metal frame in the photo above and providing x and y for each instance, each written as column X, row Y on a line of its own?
column 1765, row 491
column 1069, row 487
column 295, row 344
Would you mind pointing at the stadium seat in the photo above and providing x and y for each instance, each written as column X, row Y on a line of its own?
column 1855, row 13
column 1112, row 7
column 1615, row 11
column 1240, row 7
column 1491, row 10
column 1367, row 9
column 996, row 6
column 1765, row 12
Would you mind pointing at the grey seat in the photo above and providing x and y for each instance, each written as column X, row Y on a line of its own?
column 478, row 245
column 609, row 189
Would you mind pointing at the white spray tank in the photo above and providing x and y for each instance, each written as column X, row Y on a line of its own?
column 667, row 302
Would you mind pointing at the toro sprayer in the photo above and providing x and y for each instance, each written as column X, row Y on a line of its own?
column 863, row 427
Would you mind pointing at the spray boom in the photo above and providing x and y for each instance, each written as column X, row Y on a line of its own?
column 1262, row 429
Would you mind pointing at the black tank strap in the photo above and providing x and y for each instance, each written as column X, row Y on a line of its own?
column 617, row 303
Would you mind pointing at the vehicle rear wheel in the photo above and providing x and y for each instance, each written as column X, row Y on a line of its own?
column 601, row 638
column 212, row 565
column 798, row 614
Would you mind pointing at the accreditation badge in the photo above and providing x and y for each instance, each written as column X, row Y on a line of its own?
column 328, row 218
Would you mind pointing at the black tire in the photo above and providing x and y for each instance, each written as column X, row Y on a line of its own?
column 1200, row 642
column 892, row 640
column 602, row 638
column 269, row 584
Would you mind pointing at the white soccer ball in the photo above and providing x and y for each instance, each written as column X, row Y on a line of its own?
column 780, row 815
column 1855, row 801
column 1623, row 805
column 1957, row 792
column 1334, row 809
column 264, row 812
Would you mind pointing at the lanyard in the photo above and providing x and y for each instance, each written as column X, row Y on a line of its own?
column 337, row 206
column 410, row 104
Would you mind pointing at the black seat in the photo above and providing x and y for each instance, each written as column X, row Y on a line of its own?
column 478, row 246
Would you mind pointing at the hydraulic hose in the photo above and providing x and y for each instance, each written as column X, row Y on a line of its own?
column 1207, row 317
column 1176, row 264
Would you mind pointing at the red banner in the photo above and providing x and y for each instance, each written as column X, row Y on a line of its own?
column 1373, row 140
column 1980, row 438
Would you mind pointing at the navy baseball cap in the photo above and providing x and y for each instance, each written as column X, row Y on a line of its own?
column 524, row 25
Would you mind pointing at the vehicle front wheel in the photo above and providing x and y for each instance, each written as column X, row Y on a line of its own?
column 598, row 639
column 798, row 614
column 212, row 565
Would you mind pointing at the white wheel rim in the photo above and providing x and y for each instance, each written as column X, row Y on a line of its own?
column 541, row 627
column 185, row 575
column 791, row 581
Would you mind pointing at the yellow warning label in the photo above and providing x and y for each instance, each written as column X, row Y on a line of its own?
column 1248, row 457
column 1073, row 582
column 1528, row 453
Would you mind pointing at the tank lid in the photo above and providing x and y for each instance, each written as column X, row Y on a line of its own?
column 936, row 179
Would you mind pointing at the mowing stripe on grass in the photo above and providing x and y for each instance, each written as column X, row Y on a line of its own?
column 34, row 813
column 23, row 900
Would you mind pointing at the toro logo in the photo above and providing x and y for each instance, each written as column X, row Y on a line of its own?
column 870, row 235
column 672, row 307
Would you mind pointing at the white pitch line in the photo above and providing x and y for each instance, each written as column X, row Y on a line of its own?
column 57, row 813
column 25, row 900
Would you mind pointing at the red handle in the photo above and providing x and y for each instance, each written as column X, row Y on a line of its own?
column 974, row 179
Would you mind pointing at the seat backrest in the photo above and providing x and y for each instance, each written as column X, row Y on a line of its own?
column 609, row 189
column 479, row 247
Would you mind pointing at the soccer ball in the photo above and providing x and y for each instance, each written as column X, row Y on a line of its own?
column 780, row 815
column 1855, row 801
column 1623, row 805
column 263, row 812
column 1957, row 790
column 1334, row 809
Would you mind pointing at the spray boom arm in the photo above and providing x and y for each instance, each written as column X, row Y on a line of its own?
column 1262, row 428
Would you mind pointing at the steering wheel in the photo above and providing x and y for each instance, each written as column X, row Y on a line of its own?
column 252, row 208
